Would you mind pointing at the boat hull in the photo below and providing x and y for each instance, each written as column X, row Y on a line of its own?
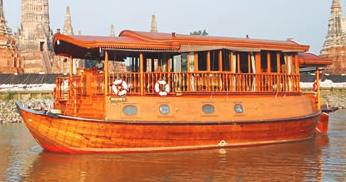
column 63, row 134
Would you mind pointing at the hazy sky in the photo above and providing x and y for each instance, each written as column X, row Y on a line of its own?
column 304, row 20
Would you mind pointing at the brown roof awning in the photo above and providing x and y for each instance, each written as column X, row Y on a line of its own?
column 134, row 41
column 309, row 59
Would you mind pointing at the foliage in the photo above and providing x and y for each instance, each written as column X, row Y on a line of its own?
column 199, row 32
column 9, row 96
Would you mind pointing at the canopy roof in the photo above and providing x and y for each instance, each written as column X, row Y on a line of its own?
column 309, row 59
column 135, row 41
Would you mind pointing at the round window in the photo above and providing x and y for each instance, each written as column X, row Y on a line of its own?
column 130, row 110
column 238, row 108
column 208, row 109
column 164, row 109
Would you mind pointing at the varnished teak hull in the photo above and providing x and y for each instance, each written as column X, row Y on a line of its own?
column 76, row 135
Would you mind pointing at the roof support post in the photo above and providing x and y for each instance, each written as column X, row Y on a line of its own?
column 195, row 61
column 296, row 60
column 278, row 63
column 141, row 60
column 188, row 71
column 269, row 65
column 259, row 87
column 248, row 63
column 318, row 88
column 208, row 61
column 106, row 73
column 168, row 61
column 71, row 67
column 238, row 62
column 220, row 60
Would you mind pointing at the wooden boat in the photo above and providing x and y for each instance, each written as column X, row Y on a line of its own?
column 143, row 92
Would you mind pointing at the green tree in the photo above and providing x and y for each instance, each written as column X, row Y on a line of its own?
column 199, row 32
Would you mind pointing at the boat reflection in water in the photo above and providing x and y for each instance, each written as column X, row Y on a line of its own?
column 293, row 161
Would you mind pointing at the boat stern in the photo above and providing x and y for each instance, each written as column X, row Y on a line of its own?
column 322, row 124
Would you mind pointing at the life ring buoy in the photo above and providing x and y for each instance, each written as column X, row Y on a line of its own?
column 314, row 86
column 120, row 87
column 162, row 88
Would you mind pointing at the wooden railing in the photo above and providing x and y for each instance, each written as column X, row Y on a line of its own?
column 133, row 81
column 188, row 83
column 215, row 82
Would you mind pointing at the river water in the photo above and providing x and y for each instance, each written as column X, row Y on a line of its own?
column 320, row 159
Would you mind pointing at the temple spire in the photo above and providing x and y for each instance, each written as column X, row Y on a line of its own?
column 336, row 5
column 4, row 30
column 335, row 27
column 1, row 8
column 112, row 33
column 153, row 24
column 68, row 29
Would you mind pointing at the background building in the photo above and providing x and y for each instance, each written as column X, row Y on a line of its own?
column 10, row 60
column 35, row 36
column 334, row 47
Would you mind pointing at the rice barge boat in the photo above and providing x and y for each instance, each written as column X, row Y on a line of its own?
column 142, row 92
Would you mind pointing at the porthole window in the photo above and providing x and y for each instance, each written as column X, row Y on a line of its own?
column 238, row 108
column 164, row 109
column 208, row 109
column 130, row 110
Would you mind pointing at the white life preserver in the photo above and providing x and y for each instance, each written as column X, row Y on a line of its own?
column 162, row 88
column 120, row 87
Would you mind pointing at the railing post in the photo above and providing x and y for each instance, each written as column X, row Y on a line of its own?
column 141, row 60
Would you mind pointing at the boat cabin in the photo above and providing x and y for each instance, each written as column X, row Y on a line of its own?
column 143, row 67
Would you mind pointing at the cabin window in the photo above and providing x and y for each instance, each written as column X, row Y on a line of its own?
column 214, row 60
column 226, row 66
column 90, row 63
column 184, row 62
column 177, row 63
column 273, row 62
column 191, row 62
column 264, row 61
column 132, row 64
column 202, row 61
column 147, row 65
column 208, row 109
column 238, row 108
column 245, row 66
column 130, row 110
column 164, row 63
column 164, row 109
column 288, row 66
column 283, row 65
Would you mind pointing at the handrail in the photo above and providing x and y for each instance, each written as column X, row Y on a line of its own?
column 187, row 83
